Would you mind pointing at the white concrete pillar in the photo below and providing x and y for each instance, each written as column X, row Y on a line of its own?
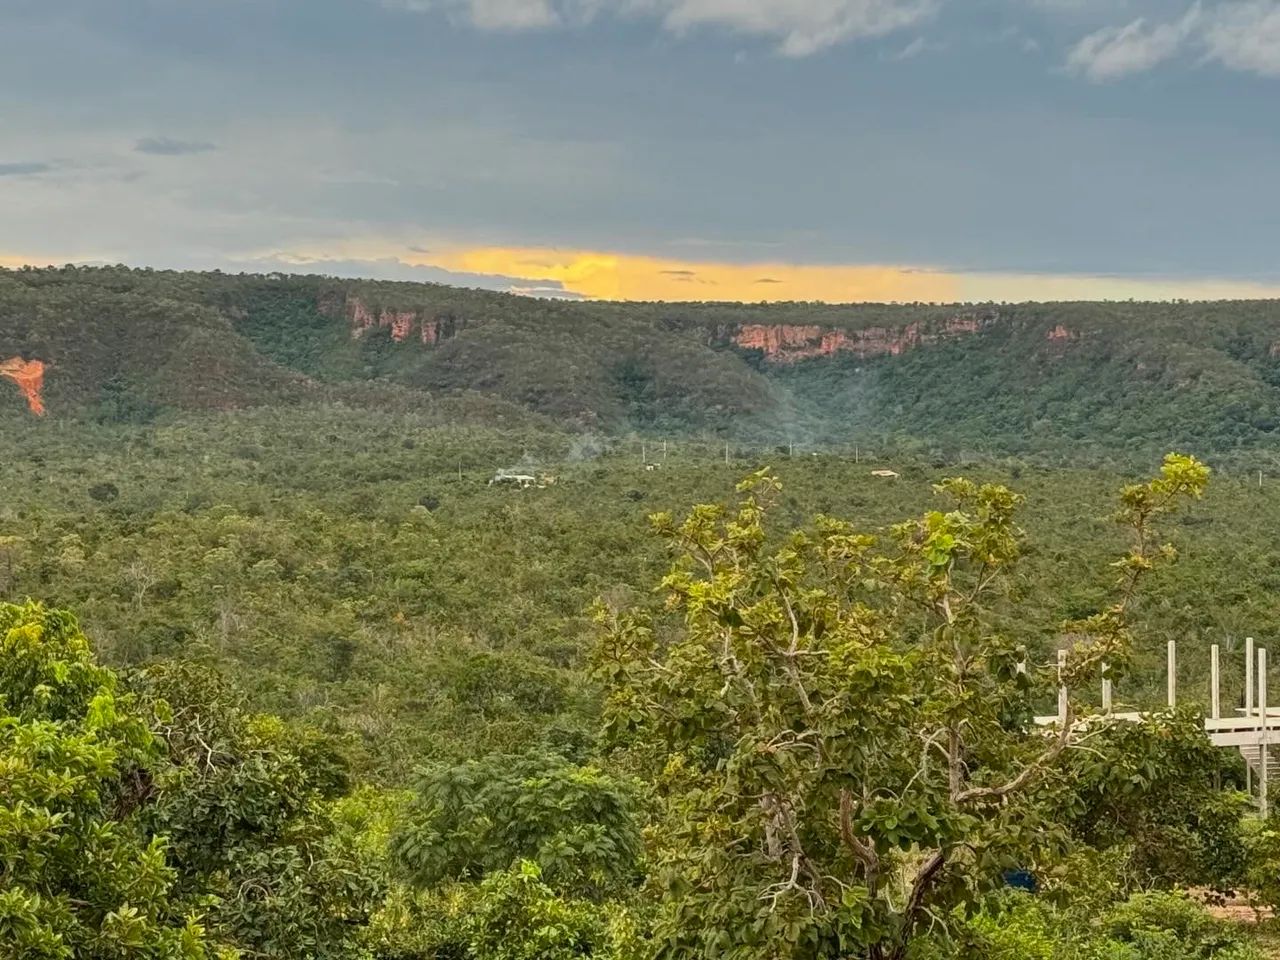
column 1263, row 722
column 1215, row 699
column 1062, row 687
column 1173, row 674
column 1248, row 676
column 1106, row 690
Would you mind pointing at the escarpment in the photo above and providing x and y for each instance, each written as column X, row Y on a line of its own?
column 29, row 376
column 788, row 343
column 404, row 324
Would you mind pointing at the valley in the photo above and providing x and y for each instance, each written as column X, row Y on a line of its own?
column 270, row 504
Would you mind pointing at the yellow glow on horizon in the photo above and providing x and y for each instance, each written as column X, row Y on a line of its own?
column 617, row 276
column 13, row 261
column 607, row 275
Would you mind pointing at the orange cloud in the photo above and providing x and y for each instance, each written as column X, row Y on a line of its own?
column 620, row 276
column 617, row 276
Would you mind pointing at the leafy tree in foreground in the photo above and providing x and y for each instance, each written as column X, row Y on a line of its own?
column 78, row 879
column 515, row 858
column 575, row 823
column 1155, row 790
column 841, row 731
column 251, row 836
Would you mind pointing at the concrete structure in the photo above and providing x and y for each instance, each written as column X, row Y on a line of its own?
column 1254, row 730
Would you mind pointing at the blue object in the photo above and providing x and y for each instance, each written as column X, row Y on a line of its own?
column 1021, row 880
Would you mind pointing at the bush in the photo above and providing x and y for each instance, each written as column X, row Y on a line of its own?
column 512, row 915
column 1147, row 926
column 1172, row 926
column 1263, row 859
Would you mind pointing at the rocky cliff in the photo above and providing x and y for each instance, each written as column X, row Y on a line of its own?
column 425, row 326
column 788, row 343
column 29, row 376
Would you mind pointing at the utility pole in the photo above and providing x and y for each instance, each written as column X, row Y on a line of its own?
column 664, row 451
column 726, row 451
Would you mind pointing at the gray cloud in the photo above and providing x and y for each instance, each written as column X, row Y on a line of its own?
column 421, row 129
column 168, row 147
column 23, row 169
column 544, row 293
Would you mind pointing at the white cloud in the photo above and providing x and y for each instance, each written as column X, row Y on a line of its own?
column 1114, row 52
column 916, row 48
column 1246, row 37
column 799, row 27
column 489, row 14
column 512, row 14
column 802, row 27
column 1241, row 35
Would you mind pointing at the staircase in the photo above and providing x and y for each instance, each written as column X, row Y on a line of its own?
column 1253, row 757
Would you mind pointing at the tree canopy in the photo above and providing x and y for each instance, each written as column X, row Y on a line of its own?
column 839, row 724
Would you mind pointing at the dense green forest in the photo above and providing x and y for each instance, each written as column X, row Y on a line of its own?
column 284, row 674
column 361, row 567
column 1062, row 380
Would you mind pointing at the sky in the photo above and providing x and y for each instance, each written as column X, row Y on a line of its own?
column 842, row 150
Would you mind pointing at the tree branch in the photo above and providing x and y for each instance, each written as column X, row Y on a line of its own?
column 1060, row 743
column 925, row 876
column 863, row 850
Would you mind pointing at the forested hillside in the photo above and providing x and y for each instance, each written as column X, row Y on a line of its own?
column 1064, row 379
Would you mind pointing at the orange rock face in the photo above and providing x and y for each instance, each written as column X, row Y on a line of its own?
column 29, row 376
column 787, row 343
column 1060, row 334
column 401, row 323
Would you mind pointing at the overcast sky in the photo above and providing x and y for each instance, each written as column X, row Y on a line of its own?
column 843, row 149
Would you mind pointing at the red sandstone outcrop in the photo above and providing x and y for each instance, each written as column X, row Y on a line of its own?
column 1061, row 334
column 402, row 324
column 29, row 376
column 787, row 343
